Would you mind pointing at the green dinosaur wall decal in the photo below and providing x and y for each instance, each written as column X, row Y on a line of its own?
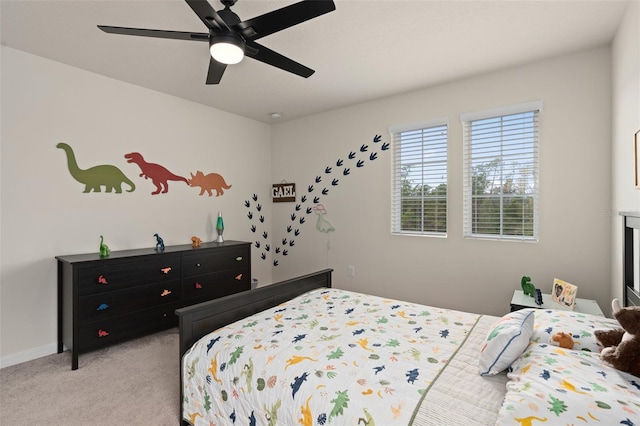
column 95, row 177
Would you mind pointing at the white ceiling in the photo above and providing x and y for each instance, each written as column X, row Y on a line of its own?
column 364, row 50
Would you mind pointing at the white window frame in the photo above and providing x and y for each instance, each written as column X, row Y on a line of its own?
column 528, row 181
column 397, row 170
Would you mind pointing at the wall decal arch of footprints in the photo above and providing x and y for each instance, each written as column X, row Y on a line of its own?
column 312, row 197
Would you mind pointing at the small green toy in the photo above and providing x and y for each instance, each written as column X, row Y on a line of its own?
column 104, row 249
column 528, row 288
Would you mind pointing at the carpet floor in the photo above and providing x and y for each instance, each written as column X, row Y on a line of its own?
column 132, row 383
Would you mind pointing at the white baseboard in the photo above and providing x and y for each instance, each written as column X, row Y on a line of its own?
column 28, row 355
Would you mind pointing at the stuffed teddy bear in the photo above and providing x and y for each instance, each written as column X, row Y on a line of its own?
column 561, row 339
column 621, row 347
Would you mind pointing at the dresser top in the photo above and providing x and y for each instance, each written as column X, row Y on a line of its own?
column 149, row 251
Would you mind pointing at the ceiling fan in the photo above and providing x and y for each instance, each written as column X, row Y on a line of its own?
column 230, row 38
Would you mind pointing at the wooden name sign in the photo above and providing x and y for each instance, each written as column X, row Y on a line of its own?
column 283, row 192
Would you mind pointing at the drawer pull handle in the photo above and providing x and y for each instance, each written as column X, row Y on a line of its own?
column 102, row 333
column 197, row 265
column 239, row 259
column 198, row 285
column 166, row 270
column 102, row 280
column 102, row 307
column 165, row 292
column 238, row 277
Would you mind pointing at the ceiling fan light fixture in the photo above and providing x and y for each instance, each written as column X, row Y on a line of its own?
column 227, row 49
column 230, row 38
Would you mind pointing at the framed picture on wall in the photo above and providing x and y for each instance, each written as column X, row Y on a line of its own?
column 636, row 157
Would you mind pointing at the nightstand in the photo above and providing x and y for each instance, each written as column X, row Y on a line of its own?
column 583, row 306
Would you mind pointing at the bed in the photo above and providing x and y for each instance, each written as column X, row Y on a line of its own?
column 302, row 352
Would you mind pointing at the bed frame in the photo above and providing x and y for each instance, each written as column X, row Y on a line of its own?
column 199, row 320
column 631, row 222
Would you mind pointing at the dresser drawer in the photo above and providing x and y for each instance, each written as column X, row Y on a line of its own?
column 218, row 284
column 115, row 276
column 105, row 332
column 211, row 261
column 114, row 303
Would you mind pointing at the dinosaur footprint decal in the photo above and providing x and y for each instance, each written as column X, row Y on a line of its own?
column 158, row 174
column 94, row 178
column 310, row 202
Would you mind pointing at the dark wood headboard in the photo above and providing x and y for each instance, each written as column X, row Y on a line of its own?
column 198, row 320
column 630, row 222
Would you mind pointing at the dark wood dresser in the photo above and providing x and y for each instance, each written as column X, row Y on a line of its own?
column 102, row 301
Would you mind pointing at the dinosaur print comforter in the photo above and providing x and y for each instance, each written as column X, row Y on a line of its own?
column 328, row 357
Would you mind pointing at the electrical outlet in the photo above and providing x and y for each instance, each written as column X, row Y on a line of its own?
column 351, row 271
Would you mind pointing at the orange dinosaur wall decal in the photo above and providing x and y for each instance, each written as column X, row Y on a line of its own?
column 96, row 177
column 158, row 174
column 212, row 181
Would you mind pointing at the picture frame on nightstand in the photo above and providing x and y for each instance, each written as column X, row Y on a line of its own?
column 564, row 293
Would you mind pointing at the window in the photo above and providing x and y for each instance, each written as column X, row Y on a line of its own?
column 501, row 172
column 419, row 188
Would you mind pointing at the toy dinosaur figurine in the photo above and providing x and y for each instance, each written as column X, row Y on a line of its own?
column 95, row 177
column 528, row 288
column 195, row 241
column 159, row 242
column 104, row 249
column 538, row 297
column 158, row 174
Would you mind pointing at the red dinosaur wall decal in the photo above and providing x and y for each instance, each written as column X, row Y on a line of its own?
column 158, row 174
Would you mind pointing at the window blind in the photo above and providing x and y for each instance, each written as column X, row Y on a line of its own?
column 419, row 187
column 501, row 173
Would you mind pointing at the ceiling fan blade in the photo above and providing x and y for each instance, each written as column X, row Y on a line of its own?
column 275, row 59
column 216, row 69
column 208, row 15
column 280, row 19
column 176, row 35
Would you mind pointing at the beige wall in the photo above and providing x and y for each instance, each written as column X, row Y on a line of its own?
column 45, row 213
column 454, row 272
column 626, row 121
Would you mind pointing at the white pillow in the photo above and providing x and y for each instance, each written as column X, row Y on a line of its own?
column 580, row 326
column 506, row 341
column 562, row 386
